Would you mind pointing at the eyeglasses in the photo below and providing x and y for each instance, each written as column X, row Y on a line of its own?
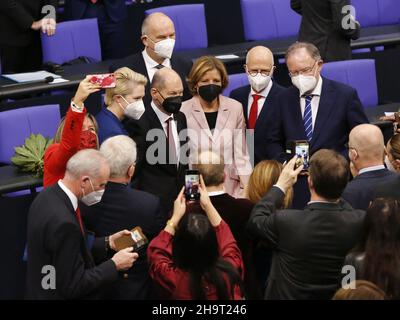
column 264, row 73
column 303, row 71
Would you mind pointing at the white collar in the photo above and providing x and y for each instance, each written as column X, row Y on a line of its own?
column 321, row 201
column 151, row 63
column 71, row 196
column 265, row 92
column 216, row 193
column 373, row 168
column 317, row 90
column 163, row 117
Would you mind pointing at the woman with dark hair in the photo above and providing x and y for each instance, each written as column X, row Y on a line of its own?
column 377, row 256
column 196, row 256
column 77, row 131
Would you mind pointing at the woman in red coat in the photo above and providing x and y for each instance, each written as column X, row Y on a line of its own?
column 78, row 130
column 196, row 256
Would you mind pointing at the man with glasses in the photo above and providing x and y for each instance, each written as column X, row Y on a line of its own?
column 259, row 97
column 315, row 109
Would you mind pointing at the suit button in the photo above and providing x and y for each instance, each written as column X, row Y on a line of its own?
column 125, row 276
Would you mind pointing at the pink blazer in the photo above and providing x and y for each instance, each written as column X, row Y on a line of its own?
column 228, row 140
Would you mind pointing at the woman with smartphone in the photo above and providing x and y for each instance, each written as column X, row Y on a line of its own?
column 217, row 123
column 77, row 131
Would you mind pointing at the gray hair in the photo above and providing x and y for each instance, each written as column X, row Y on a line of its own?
column 120, row 152
column 311, row 49
column 86, row 162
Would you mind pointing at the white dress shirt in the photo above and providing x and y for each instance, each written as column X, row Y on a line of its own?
column 163, row 120
column 151, row 64
column 216, row 193
column 71, row 196
column 264, row 94
column 373, row 168
column 316, row 93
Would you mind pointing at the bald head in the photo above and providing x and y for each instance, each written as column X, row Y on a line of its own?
column 367, row 140
column 260, row 55
column 155, row 23
column 166, row 78
column 211, row 167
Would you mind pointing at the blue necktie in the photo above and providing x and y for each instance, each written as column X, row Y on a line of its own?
column 307, row 119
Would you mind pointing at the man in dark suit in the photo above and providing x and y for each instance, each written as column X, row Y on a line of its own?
column 235, row 212
column 389, row 189
column 309, row 245
column 259, row 97
column 161, row 137
column 158, row 38
column 122, row 207
column 315, row 109
column 60, row 264
column 366, row 153
column 329, row 25
column 20, row 24
column 110, row 15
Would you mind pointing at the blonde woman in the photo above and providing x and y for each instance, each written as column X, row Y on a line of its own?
column 216, row 122
column 125, row 100
column 264, row 176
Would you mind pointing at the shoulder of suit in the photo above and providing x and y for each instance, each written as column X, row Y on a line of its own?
column 241, row 91
column 335, row 85
column 231, row 103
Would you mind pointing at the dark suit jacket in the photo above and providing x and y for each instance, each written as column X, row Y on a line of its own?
column 236, row 213
column 309, row 245
column 55, row 238
column 339, row 111
column 261, row 129
column 125, row 208
column 137, row 64
column 16, row 18
column 389, row 190
column 75, row 9
column 164, row 180
column 322, row 25
column 360, row 191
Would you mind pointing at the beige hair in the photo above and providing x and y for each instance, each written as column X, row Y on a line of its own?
column 126, row 80
column 311, row 49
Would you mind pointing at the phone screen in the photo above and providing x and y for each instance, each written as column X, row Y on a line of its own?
column 302, row 154
column 106, row 80
column 192, row 181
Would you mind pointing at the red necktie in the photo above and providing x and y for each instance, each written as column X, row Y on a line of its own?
column 254, row 111
column 173, row 159
column 79, row 217
column 93, row 1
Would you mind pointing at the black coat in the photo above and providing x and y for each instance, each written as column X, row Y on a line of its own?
column 16, row 18
column 309, row 245
column 137, row 64
column 122, row 207
column 55, row 239
column 389, row 189
column 261, row 130
column 164, row 180
column 322, row 25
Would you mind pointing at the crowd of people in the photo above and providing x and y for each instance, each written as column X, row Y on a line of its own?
column 261, row 229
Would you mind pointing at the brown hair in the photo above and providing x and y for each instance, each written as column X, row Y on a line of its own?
column 126, row 80
column 311, row 49
column 201, row 66
column 364, row 290
column 329, row 173
column 264, row 176
column 395, row 146
column 60, row 129
column 211, row 166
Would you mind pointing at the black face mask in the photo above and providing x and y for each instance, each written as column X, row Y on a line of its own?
column 210, row 92
column 171, row 104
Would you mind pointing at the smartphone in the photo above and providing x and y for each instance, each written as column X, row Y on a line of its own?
column 192, row 182
column 106, row 80
column 136, row 239
column 302, row 153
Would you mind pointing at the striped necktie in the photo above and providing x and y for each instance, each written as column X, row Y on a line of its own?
column 307, row 119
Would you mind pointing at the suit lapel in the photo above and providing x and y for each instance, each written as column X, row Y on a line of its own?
column 266, row 106
column 244, row 100
column 325, row 108
column 294, row 113
column 199, row 116
column 222, row 118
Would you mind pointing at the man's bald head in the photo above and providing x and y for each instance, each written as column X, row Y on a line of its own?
column 166, row 77
column 367, row 140
column 260, row 55
column 211, row 167
column 155, row 23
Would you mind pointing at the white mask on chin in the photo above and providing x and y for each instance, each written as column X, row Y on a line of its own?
column 164, row 48
column 305, row 84
column 93, row 197
column 259, row 82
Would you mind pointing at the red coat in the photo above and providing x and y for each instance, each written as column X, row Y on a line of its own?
column 174, row 281
column 58, row 154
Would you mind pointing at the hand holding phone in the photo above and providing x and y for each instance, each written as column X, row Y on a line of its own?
column 192, row 182
column 302, row 154
column 105, row 81
column 135, row 239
